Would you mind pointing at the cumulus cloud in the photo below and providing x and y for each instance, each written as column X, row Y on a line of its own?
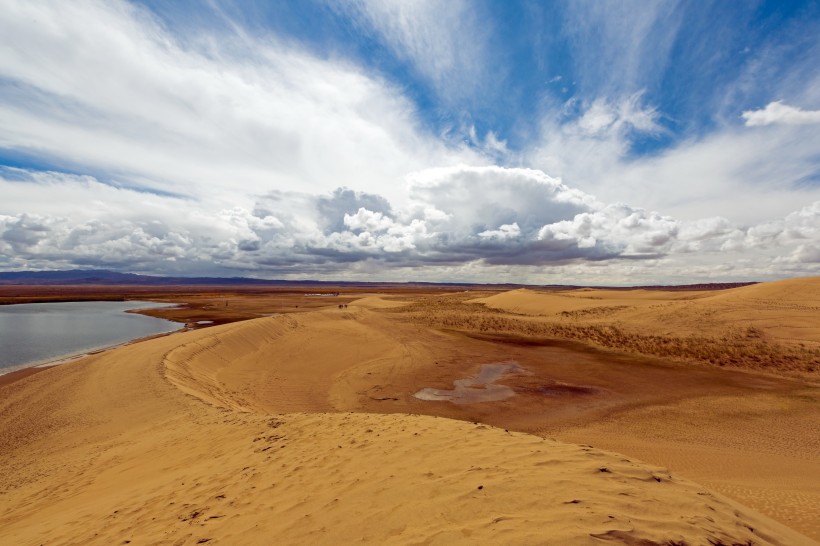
column 805, row 254
column 749, row 177
column 504, row 232
column 777, row 112
column 625, row 231
column 799, row 227
column 471, row 223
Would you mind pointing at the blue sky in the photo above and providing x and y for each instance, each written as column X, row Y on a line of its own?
column 620, row 142
column 697, row 63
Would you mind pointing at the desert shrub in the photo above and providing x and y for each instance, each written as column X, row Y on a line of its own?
column 739, row 347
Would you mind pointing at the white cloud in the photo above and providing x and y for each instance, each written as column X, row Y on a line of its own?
column 490, row 145
column 624, row 231
column 586, row 142
column 367, row 220
column 470, row 200
column 104, row 86
column 748, row 177
column 504, row 232
column 468, row 223
column 247, row 145
column 777, row 112
column 443, row 40
column 620, row 47
column 804, row 254
column 613, row 120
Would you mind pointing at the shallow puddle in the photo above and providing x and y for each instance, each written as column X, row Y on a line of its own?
column 478, row 388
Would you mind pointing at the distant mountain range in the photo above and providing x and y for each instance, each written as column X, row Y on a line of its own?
column 113, row 278
column 104, row 277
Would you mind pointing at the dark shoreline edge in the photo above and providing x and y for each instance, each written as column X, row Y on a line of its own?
column 26, row 370
column 12, row 377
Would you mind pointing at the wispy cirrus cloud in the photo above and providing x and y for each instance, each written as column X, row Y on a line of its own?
column 105, row 86
column 446, row 42
column 620, row 48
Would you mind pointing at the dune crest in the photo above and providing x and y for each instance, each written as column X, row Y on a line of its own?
column 773, row 327
column 761, row 305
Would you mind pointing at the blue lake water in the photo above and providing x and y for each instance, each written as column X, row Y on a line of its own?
column 34, row 333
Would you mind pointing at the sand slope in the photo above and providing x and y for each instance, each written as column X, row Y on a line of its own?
column 786, row 312
column 750, row 437
column 777, row 474
column 106, row 450
column 307, row 362
column 531, row 302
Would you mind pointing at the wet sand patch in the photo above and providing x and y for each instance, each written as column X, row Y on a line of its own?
column 10, row 377
column 478, row 388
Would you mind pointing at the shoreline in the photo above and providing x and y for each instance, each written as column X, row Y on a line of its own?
column 14, row 374
column 17, row 375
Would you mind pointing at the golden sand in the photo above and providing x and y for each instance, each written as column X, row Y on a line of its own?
column 295, row 429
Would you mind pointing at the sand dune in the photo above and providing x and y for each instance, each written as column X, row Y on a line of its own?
column 771, row 326
column 285, row 363
column 784, row 311
column 243, row 433
column 531, row 302
column 377, row 363
column 802, row 290
column 105, row 451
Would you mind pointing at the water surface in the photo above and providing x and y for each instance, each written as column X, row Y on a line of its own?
column 34, row 333
column 478, row 388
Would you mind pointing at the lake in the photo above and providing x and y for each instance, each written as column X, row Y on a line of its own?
column 34, row 333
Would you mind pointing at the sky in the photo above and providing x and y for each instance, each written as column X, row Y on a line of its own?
column 543, row 142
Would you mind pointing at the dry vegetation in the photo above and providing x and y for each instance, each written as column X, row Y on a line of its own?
column 740, row 347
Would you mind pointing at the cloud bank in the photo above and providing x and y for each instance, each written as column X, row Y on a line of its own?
column 472, row 220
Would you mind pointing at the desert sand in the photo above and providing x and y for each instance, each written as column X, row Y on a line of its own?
column 784, row 313
column 304, row 428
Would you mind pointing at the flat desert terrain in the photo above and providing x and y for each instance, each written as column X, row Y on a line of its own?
column 638, row 417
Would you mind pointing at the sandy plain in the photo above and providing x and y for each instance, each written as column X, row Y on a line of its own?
column 303, row 427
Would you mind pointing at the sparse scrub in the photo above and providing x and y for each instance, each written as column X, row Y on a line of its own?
column 739, row 347
column 594, row 311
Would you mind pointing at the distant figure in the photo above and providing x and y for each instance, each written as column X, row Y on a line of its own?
column 340, row 306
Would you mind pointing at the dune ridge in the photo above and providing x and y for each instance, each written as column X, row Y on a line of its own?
column 772, row 327
column 782, row 311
